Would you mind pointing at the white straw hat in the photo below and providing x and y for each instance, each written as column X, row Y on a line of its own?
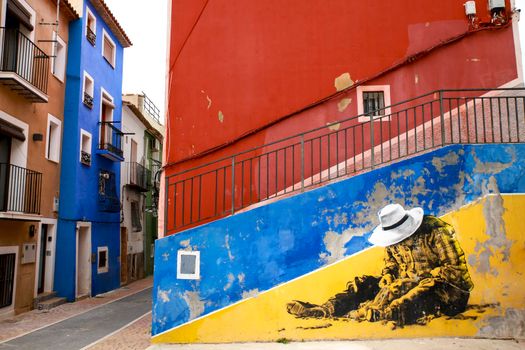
column 396, row 225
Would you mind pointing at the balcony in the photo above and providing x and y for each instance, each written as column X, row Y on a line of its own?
column 137, row 176
column 110, row 144
column 23, row 66
column 20, row 189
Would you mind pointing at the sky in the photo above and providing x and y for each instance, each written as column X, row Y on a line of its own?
column 145, row 23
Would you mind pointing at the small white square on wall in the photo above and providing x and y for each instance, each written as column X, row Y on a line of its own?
column 188, row 265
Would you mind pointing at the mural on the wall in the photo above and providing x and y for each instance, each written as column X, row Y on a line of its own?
column 425, row 275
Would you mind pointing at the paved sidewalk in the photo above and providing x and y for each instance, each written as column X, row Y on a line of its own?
column 390, row 344
column 16, row 326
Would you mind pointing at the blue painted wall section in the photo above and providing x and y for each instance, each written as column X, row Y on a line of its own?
column 256, row 250
column 80, row 183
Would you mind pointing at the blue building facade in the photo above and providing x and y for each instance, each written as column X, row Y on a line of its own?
column 88, row 237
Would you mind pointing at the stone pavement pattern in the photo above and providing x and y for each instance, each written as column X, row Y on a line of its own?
column 136, row 336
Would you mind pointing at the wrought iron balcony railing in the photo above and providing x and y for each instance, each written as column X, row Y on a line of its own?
column 137, row 176
column 85, row 158
column 21, row 56
column 88, row 100
column 20, row 189
column 110, row 141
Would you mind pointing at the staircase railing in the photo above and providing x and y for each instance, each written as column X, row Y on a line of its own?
column 344, row 148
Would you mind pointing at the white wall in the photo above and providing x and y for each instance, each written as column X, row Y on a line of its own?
column 131, row 124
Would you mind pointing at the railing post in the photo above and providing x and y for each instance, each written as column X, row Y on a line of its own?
column 233, row 185
column 372, row 160
column 302, row 164
column 442, row 116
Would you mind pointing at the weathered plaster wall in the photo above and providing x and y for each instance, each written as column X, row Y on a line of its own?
column 251, row 252
column 322, row 48
column 495, row 307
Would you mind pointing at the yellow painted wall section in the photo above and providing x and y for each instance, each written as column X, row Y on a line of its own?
column 491, row 233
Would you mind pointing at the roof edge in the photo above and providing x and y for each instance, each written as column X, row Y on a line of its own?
column 104, row 11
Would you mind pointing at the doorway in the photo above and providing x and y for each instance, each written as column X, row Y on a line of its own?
column 83, row 280
column 123, row 256
column 42, row 262
column 46, row 258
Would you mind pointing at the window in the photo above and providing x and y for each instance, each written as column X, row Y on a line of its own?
column 91, row 27
column 371, row 102
column 59, row 58
column 53, row 138
column 374, row 103
column 102, row 260
column 108, row 49
column 135, row 217
column 85, row 147
column 88, row 90
column 188, row 265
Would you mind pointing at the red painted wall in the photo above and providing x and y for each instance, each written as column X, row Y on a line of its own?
column 241, row 70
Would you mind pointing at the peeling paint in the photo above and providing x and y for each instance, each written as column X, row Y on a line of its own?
column 209, row 101
column 405, row 174
column 252, row 293
column 335, row 245
column 512, row 325
column 497, row 244
column 195, row 304
column 163, row 295
column 231, row 279
column 473, row 59
column 343, row 104
column 492, row 167
column 227, row 246
column 221, row 117
column 333, row 127
column 343, row 81
column 241, row 278
column 185, row 243
column 416, row 79
column 440, row 162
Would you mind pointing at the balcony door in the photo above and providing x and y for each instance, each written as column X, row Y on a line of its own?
column 18, row 30
column 5, row 153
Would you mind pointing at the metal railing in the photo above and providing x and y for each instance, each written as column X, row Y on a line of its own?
column 110, row 138
column 151, row 108
column 20, row 189
column 137, row 176
column 350, row 146
column 21, row 56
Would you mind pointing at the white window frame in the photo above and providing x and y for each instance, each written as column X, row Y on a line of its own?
column 105, row 36
column 373, row 88
column 53, row 147
column 88, row 77
column 110, row 102
column 188, row 276
column 90, row 144
column 89, row 14
column 105, row 268
column 62, row 60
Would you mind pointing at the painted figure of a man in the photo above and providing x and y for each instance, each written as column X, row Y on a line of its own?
column 425, row 274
